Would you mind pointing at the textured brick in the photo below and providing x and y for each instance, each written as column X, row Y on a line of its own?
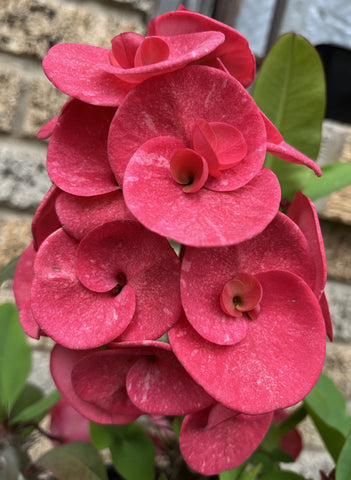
column 337, row 241
column 42, row 103
column 339, row 298
column 15, row 236
column 23, row 177
column 31, row 27
column 337, row 366
column 10, row 84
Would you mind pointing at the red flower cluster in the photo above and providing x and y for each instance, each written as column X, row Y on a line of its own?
column 160, row 140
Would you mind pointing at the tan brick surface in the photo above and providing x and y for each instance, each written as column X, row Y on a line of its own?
column 42, row 103
column 31, row 27
column 15, row 236
column 337, row 242
column 10, row 84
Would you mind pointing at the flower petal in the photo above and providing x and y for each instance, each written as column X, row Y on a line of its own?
column 204, row 218
column 286, row 152
column 149, row 265
column 278, row 361
column 212, row 449
column 79, row 215
column 77, row 161
column 68, row 312
column 62, row 363
column 45, row 220
column 75, row 69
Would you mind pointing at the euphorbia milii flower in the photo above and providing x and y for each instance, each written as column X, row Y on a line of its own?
column 233, row 55
column 253, row 322
column 101, row 76
column 120, row 281
column 188, row 148
column 219, row 439
column 129, row 378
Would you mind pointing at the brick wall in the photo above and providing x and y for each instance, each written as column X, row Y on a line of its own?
column 27, row 100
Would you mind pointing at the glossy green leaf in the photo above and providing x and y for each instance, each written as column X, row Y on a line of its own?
column 290, row 90
column 282, row 476
column 343, row 467
column 292, row 420
column 327, row 408
column 38, row 409
column 252, row 473
column 131, row 449
column 9, row 270
column 233, row 474
column 74, row 461
column 15, row 356
column 335, row 176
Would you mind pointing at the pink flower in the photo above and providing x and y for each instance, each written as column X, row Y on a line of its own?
column 77, row 159
column 188, row 148
column 233, row 55
column 219, row 439
column 254, row 322
column 101, row 76
column 67, row 424
column 128, row 379
column 108, row 285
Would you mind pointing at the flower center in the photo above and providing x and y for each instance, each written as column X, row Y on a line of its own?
column 131, row 50
column 241, row 295
column 217, row 146
column 121, row 282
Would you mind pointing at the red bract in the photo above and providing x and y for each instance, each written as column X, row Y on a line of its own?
column 219, row 439
column 233, row 55
column 303, row 213
column 128, row 379
column 103, row 77
column 77, row 158
column 202, row 113
column 188, row 148
column 62, row 363
column 253, row 363
column 45, row 220
column 67, row 424
column 81, row 214
column 22, row 284
column 107, row 286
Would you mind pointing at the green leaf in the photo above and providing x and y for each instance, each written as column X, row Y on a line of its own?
column 292, row 420
column 252, row 473
column 327, row 408
column 233, row 474
column 131, row 449
column 343, row 467
column 15, row 356
column 9, row 270
column 28, row 396
column 335, row 176
column 267, row 463
column 74, row 461
column 290, row 90
column 38, row 409
column 282, row 476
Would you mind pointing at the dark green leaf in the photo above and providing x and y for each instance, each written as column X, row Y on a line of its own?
column 282, row 476
column 267, row 464
column 37, row 410
column 252, row 473
column 134, row 455
column 335, row 176
column 343, row 467
column 131, row 449
column 9, row 270
column 290, row 90
column 327, row 408
column 233, row 474
column 74, row 461
column 292, row 420
column 29, row 395
column 15, row 356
